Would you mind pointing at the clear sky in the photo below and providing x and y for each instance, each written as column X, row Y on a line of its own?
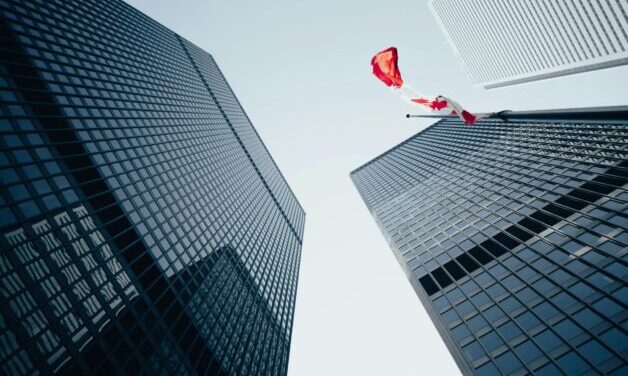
column 301, row 71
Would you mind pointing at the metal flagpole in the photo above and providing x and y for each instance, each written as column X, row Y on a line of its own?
column 431, row 116
column 577, row 115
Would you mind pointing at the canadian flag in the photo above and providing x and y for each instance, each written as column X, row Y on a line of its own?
column 386, row 68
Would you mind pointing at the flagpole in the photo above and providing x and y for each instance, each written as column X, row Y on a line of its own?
column 579, row 115
column 500, row 114
column 431, row 116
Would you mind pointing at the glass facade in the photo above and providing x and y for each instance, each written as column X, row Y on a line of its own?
column 505, row 42
column 513, row 235
column 144, row 226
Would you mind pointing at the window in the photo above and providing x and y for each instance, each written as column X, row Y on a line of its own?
column 548, row 370
column 560, row 276
column 509, row 331
column 594, row 352
column 581, row 290
column 460, row 332
column 488, row 369
column 572, row 364
column 465, row 308
column 615, row 339
column 477, row 323
column 455, row 295
column 508, row 362
column 491, row 341
column 474, row 351
column 587, row 318
column 563, row 300
column 567, row 329
column 441, row 303
column 543, row 285
column 527, row 321
column 547, row 340
column 510, row 304
column 512, row 283
column 494, row 314
column 496, row 291
column 527, row 295
column 545, row 311
column 480, row 299
column 483, row 278
column 450, row 316
column 528, row 351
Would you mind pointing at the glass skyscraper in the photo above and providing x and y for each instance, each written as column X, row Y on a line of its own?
column 513, row 235
column 506, row 42
column 144, row 227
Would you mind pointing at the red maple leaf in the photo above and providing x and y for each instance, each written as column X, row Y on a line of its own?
column 422, row 101
column 438, row 104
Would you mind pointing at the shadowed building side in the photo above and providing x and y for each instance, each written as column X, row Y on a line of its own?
column 144, row 227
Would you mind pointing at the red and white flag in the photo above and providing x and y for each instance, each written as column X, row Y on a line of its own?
column 385, row 68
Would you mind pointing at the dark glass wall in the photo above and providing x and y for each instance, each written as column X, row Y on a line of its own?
column 144, row 226
column 514, row 238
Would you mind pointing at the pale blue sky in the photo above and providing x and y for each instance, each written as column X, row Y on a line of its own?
column 301, row 70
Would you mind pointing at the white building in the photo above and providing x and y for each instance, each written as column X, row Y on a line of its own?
column 507, row 42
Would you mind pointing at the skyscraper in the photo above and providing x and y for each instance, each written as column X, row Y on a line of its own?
column 144, row 226
column 501, row 43
column 513, row 235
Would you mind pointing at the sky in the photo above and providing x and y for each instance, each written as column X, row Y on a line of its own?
column 301, row 70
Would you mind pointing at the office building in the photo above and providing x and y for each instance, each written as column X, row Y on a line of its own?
column 501, row 43
column 144, row 227
column 513, row 234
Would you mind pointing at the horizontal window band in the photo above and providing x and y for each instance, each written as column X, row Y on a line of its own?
column 489, row 250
